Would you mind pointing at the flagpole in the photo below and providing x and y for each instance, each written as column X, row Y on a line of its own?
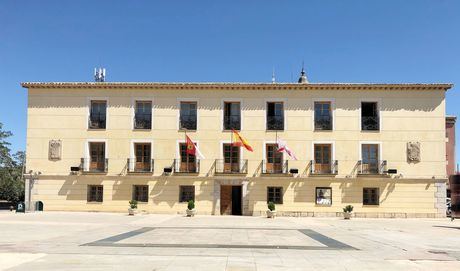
column 186, row 148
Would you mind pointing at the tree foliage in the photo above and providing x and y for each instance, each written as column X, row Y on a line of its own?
column 11, row 168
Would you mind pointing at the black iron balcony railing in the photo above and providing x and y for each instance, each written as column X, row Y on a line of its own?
column 370, row 123
column 275, row 123
column 372, row 167
column 324, row 169
column 88, row 165
column 275, row 168
column 186, row 167
column 223, row 167
column 143, row 121
column 188, row 122
column 232, row 122
column 323, row 123
column 96, row 121
column 134, row 166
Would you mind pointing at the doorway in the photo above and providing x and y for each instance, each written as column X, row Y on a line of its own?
column 230, row 199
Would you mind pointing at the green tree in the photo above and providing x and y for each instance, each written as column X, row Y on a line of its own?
column 11, row 168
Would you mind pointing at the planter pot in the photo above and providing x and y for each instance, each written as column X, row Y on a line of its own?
column 131, row 211
column 190, row 213
column 271, row 214
column 346, row 215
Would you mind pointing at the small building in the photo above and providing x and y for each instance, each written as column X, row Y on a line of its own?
column 378, row 147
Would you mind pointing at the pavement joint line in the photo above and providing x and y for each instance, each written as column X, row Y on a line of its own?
column 330, row 244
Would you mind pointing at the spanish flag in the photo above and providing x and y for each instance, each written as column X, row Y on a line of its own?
column 238, row 140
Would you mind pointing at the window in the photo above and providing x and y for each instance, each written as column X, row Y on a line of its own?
column 141, row 193
column 97, row 156
column 231, row 158
column 188, row 116
column 186, row 193
column 371, row 196
column 187, row 161
column 275, row 116
column 232, row 116
column 143, row 115
column 275, row 195
column 369, row 116
column 324, row 196
column 370, row 158
column 323, row 116
column 322, row 161
column 95, row 193
column 274, row 163
column 143, row 157
column 97, row 115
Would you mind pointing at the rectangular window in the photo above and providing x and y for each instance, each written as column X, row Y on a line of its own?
column 231, row 158
column 97, row 115
column 143, row 157
column 275, row 195
column 95, row 193
column 274, row 159
column 370, row 158
column 141, row 193
column 186, row 193
column 275, row 116
column 371, row 196
column 324, row 196
column 97, row 156
column 369, row 116
column 323, row 116
column 143, row 115
column 232, row 116
column 188, row 116
column 322, row 159
column 187, row 161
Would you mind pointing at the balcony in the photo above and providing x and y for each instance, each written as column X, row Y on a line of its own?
column 188, row 123
column 96, row 121
column 180, row 167
column 232, row 122
column 317, row 169
column 275, row 123
column 323, row 123
column 275, row 168
column 370, row 123
column 222, row 167
column 88, row 165
column 372, row 168
column 139, row 167
column 143, row 121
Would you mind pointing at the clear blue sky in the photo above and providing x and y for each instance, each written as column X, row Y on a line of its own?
column 340, row 41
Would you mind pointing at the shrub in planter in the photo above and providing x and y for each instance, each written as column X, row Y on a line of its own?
column 347, row 211
column 271, row 212
column 132, row 207
column 191, row 208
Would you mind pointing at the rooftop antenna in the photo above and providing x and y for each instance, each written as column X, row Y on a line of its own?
column 273, row 76
column 99, row 74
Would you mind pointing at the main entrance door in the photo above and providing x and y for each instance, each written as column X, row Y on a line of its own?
column 230, row 200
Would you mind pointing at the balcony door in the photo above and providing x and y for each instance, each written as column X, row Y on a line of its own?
column 274, row 159
column 97, row 156
column 187, row 161
column 231, row 158
column 322, row 159
column 370, row 158
column 143, row 157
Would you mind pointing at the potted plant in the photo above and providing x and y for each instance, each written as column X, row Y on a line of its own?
column 347, row 211
column 132, row 207
column 271, row 212
column 191, row 208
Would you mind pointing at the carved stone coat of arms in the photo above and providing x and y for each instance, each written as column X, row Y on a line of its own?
column 413, row 152
column 55, row 147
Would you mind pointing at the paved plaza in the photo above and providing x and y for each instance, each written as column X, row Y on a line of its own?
column 108, row 241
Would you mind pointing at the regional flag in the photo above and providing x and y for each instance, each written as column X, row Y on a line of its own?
column 238, row 140
column 192, row 149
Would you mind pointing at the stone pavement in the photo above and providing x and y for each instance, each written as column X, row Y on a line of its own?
column 106, row 241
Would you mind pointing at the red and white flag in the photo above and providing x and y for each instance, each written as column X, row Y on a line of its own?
column 282, row 147
column 192, row 149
